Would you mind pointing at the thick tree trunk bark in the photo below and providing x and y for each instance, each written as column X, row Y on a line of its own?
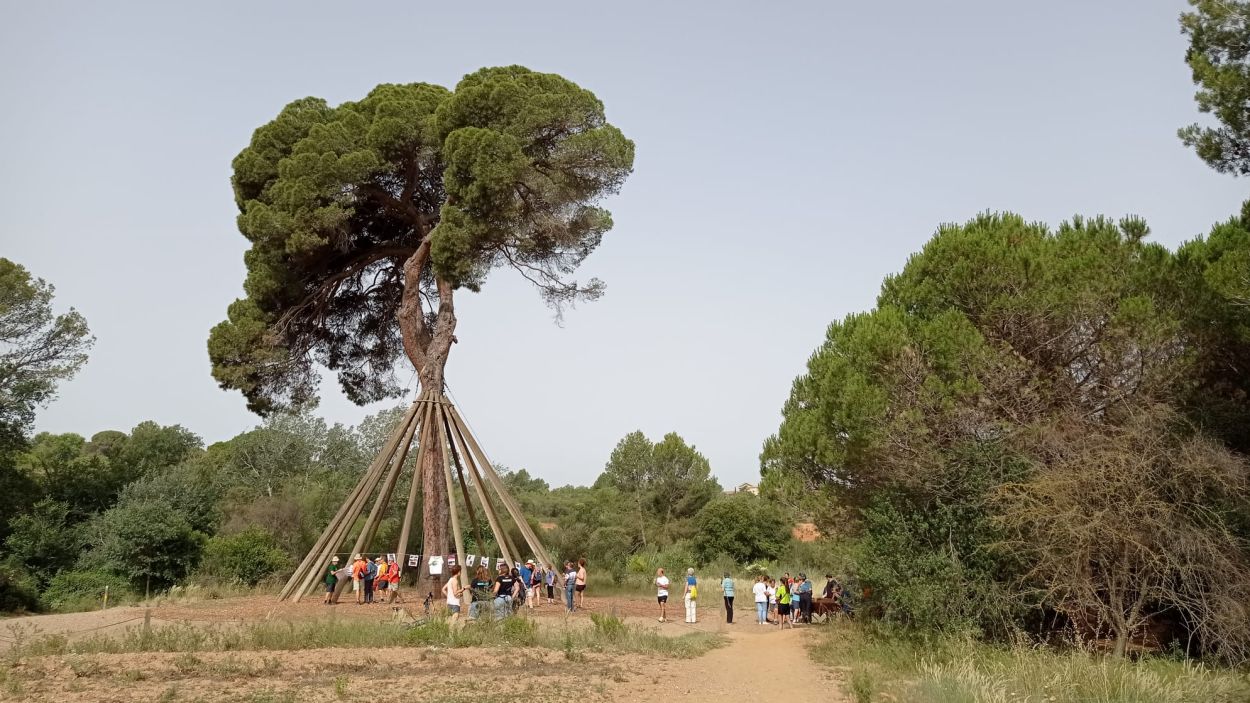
column 428, row 350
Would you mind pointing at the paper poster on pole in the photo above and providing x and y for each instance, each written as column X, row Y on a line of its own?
column 436, row 565
column 451, row 561
column 414, row 560
column 390, row 558
column 499, row 562
column 468, row 561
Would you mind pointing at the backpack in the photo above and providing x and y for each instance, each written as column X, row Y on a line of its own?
column 371, row 571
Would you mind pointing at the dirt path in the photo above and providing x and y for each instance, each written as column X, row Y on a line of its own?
column 760, row 661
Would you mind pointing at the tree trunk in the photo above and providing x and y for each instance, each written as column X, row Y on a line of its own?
column 428, row 349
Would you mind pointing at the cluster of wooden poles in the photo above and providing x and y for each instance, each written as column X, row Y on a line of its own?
column 437, row 421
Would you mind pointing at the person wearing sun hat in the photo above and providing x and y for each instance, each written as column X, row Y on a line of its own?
column 359, row 566
column 529, row 579
column 331, row 580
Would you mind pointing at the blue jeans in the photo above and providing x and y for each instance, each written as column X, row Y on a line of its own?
column 475, row 608
column 568, row 596
column 761, row 612
column 503, row 607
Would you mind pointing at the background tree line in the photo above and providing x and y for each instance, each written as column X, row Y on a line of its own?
column 144, row 510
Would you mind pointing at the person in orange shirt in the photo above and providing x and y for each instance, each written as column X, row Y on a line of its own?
column 358, row 578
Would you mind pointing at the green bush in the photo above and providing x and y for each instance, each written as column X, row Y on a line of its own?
column 247, row 557
column 742, row 526
column 84, row 590
column 17, row 590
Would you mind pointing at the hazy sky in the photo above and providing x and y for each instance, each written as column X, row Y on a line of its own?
column 789, row 155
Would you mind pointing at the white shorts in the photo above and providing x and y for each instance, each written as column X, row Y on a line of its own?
column 355, row 585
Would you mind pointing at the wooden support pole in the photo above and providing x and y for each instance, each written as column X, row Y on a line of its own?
column 347, row 526
column 443, row 441
column 311, row 564
column 385, row 498
column 379, row 504
column 509, row 504
column 464, row 491
column 503, row 538
column 480, row 490
column 427, row 436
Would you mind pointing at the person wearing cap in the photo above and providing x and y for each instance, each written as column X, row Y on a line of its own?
column 359, row 567
column 528, row 579
column 331, row 580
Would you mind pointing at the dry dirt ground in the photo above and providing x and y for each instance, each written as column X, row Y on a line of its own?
column 750, row 665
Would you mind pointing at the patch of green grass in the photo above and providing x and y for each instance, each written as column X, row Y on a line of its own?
column 962, row 670
column 607, row 634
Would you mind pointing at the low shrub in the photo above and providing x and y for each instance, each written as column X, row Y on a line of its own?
column 72, row 591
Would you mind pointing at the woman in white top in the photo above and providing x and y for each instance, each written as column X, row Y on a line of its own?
column 661, row 592
column 760, row 591
column 453, row 590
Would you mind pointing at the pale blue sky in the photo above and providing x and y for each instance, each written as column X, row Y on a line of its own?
column 790, row 155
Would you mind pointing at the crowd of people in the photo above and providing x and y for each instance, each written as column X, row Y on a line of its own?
column 368, row 578
column 512, row 588
column 784, row 601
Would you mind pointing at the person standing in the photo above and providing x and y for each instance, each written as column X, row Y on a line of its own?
column 770, row 590
column 581, row 583
column 570, row 582
column 783, row 603
column 480, row 588
column 371, row 575
column 805, row 598
column 760, row 591
column 331, row 580
column 381, row 582
column 727, row 587
column 528, row 579
column 359, row 567
column 392, row 579
column 690, row 596
column 549, row 580
column 661, row 592
column 452, row 591
column 504, row 591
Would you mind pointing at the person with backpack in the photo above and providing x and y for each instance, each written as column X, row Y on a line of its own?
column 371, row 574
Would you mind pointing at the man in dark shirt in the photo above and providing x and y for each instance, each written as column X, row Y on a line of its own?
column 505, row 587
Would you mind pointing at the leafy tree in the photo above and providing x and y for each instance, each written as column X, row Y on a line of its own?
column 1219, row 57
column 148, row 542
column 664, row 485
column 366, row 218
column 190, row 487
column 44, row 541
column 38, row 349
column 743, row 527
